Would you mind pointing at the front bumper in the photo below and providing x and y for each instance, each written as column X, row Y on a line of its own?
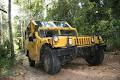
column 65, row 51
column 73, row 50
column 68, row 54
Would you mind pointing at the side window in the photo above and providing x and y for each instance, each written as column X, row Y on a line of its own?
column 42, row 33
column 37, row 26
column 27, row 31
column 49, row 33
column 34, row 36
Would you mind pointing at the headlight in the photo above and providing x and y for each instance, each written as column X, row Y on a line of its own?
column 70, row 41
column 55, row 38
column 92, row 40
column 100, row 39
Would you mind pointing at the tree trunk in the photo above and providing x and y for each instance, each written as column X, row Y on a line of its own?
column 10, row 29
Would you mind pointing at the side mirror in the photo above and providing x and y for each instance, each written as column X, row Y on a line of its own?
column 30, row 38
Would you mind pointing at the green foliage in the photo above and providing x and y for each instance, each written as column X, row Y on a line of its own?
column 115, row 6
column 33, row 7
column 19, row 33
column 113, row 40
column 6, row 58
column 90, row 17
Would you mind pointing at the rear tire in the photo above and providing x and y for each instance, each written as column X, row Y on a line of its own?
column 51, row 62
column 97, row 58
column 31, row 62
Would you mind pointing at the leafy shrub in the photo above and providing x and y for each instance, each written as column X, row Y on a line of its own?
column 6, row 59
column 113, row 44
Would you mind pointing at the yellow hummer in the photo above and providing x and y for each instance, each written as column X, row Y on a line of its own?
column 55, row 43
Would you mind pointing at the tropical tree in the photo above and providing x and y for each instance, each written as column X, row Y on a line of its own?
column 33, row 7
column 95, row 17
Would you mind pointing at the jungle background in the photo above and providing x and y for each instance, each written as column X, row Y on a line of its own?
column 90, row 17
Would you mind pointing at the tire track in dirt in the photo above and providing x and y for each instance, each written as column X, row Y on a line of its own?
column 77, row 70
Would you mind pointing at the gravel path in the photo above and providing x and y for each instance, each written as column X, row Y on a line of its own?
column 77, row 70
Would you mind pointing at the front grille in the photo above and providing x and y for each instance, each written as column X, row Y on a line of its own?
column 83, row 41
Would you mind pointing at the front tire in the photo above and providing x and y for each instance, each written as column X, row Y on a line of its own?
column 51, row 62
column 97, row 58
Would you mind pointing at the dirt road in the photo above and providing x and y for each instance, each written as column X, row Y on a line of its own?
column 77, row 70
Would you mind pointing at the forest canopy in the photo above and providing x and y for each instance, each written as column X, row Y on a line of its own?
column 90, row 17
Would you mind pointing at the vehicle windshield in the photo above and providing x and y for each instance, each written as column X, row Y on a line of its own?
column 47, row 24
column 50, row 33
column 61, row 24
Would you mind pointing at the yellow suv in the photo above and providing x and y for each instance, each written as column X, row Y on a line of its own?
column 55, row 43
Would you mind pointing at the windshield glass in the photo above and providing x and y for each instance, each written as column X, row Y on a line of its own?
column 48, row 33
column 62, row 24
column 47, row 24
